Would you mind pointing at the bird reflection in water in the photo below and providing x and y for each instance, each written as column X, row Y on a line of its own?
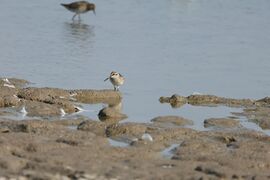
column 78, row 30
column 112, row 113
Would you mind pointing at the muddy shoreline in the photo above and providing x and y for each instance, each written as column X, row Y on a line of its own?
column 166, row 148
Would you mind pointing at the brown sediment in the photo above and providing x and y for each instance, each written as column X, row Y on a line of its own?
column 97, row 96
column 41, row 149
column 209, row 100
column 258, row 115
column 50, row 101
column 48, row 149
column 174, row 120
column 221, row 122
column 254, row 110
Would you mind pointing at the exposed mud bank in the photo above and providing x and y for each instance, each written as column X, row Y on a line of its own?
column 81, row 148
column 49, row 150
column 46, row 102
column 173, row 120
column 255, row 110
column 209, row 100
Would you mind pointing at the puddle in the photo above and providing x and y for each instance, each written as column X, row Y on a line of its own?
column 252, row 125
column 199, row 113
column 168, row 152
column 72, row 127
column 14, row 114
column 116, row 143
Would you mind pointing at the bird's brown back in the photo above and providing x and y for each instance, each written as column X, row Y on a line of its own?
column 91, row 6
column 80, row 5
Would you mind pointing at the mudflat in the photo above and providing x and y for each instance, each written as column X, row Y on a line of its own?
column 166, row 148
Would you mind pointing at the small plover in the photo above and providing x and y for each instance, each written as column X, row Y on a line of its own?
column 80, row 7
column 116, row 79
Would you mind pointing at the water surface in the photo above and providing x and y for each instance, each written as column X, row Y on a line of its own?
column 162, row 47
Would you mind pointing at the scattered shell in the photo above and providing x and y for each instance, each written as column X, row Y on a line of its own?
column 73, row 94
column 147, row 137
column 6, row 80
column 168, row 166
column 63, row 113
column 9, row 85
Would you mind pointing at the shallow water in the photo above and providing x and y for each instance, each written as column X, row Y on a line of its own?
column 117, row 143
column 162, row 47
column 168, row 152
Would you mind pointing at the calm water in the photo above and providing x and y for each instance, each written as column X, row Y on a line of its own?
column 162, row 47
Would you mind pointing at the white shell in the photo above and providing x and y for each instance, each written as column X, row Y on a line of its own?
column 147, row 137
column 9, row 85
column 63, row 113
column 6, row 80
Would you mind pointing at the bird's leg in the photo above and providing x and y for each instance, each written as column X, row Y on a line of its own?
column 74, row 16
column 79, row 17
column 115, row 88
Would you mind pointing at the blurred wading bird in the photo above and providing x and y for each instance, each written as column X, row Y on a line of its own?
column 80, row 7
column 116, row 79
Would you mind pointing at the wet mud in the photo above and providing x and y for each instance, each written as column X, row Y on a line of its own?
column 47, row 102
column 165, row 148
column 34, row 149
column 254, row 110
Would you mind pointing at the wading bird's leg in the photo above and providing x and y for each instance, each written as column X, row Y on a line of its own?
column 74, row 16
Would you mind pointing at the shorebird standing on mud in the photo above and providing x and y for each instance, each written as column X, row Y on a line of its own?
column 80, row 7
column 116, row 79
